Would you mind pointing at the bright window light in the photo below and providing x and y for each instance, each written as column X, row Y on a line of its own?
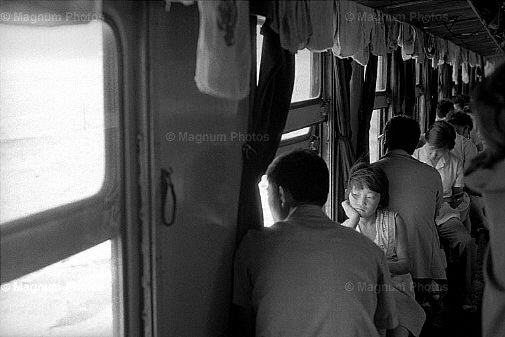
column 296, row 133
column 70, row 298
column 51, row 116
column 268, row 220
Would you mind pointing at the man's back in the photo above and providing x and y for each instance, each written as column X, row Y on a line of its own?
column 464, row 149
column 415, row 191
column 308, row 276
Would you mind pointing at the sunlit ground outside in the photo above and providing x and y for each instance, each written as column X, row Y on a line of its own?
column 71, row 298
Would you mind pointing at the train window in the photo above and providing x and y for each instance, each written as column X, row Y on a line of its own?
column 381, row 74
column 307, row 70
column 375, row 134
column 295, row 134
column 51, row 103
column 60, row 181
column 268, row 220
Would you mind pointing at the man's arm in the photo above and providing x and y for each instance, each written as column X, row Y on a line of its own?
column 244, row 316
column 386, row 314
column 245, row 320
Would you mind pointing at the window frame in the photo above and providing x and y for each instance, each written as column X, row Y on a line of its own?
column 68, row 229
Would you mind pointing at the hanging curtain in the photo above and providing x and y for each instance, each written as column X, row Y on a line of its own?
column 344, row 154
column 366, row 108
column 272, row 99
column 409, row 82
column 444, row 81
column 397, row 83
column 433, row 94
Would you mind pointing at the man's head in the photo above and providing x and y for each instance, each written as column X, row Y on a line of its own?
column 458, row 102
column 401, row 133
column 298, row 177
column 462, row 122
column 440, row 140
column 444, row 107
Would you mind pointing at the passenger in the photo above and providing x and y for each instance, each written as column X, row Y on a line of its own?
column 466, row 150
column 365, row 206
column 456, row 238
column 415, row 191
column 444, row 108
column 475, row 136
column 306, row 275
column 459, row 102
column 487, row 175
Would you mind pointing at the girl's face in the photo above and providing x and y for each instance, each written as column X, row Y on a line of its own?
column 364, row 201
column 434, row 154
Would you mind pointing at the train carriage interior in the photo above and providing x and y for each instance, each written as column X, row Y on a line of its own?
column 135, row 137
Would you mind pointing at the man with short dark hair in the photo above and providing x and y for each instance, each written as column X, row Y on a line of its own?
column 415, row 191
column 464, row 149
column 307, row 275
column 444, row 108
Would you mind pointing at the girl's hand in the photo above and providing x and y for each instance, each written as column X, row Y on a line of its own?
column 351, row 213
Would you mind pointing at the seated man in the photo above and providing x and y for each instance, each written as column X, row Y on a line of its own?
column 455, row 237
column 466, row 150
column 306, row 275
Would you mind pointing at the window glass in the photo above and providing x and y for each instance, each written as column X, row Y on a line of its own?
column 374, row 136
column 71, row 298
column 51, row 116
column 380, row 84
column 53, row 149
column 295, row 134
column 307, row 71
column 268, row 220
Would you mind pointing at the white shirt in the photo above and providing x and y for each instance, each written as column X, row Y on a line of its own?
column 464, row 149
column 449, row 167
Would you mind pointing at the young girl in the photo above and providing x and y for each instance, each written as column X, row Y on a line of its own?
column 365, row 207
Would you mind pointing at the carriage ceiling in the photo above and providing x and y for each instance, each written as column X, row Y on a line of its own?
column 475, row 25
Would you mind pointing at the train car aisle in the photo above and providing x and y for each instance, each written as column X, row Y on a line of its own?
column 449, row 322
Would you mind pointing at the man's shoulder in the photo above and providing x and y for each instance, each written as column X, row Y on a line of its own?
column 359, row 242
column 407, row 163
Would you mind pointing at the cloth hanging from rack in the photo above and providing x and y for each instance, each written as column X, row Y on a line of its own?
column 406, row 40
column 223, row 60
column 441, row 51
column 454, row 59
column 324, row 25
column 352, row 38
column 418, row 52
column 473, row 59
column 378, row 43
column 291, row 20
column 465, row 76
column 392, row 27
column 430, row 48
